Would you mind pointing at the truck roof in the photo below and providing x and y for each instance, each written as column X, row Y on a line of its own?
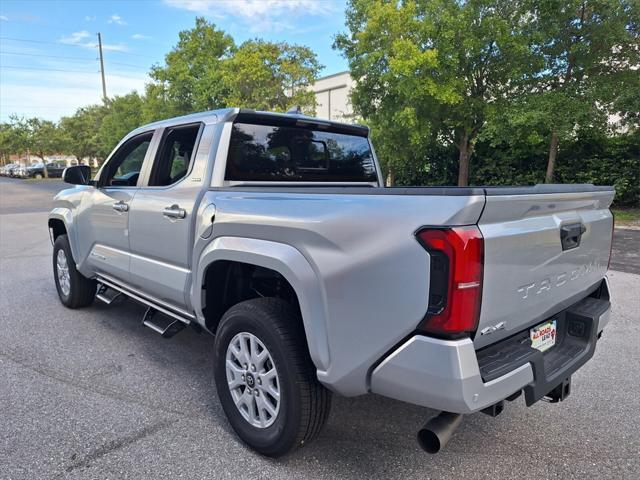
column 228, row 114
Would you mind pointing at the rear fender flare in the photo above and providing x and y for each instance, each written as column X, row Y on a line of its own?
column 292, row 265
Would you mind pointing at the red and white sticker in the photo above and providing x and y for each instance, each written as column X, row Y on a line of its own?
column 543, row 336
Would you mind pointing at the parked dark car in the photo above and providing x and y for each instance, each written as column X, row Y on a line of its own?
column 37, row 170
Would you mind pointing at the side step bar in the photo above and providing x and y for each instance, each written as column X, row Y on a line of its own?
column 170, row 328
column 175, row 324
column 103, row 297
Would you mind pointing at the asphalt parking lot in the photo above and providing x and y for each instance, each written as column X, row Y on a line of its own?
column 93, row 394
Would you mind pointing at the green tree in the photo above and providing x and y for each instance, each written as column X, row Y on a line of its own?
column 44, row 138
column 591, row 53
column 428, row 70
column 12, row 140
column 81, row 131
column 191, row 78
column 206, row 70
column 270, row 76
column 122, row 114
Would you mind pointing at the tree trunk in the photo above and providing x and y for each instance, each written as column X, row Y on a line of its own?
column 553, row 153
column 391, row 177
column 45, row 172
column 463, row 161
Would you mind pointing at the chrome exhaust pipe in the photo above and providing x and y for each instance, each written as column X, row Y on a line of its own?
column 437, row 431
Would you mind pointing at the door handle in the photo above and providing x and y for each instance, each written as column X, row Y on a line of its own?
column 174, row 211
column 120, row 206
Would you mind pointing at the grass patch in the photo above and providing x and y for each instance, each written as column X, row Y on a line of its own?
column 627, row 216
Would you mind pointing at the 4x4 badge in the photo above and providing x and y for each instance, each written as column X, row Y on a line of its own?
column 493, row 328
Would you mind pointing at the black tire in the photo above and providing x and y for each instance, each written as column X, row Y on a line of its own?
column 82, row 290
column 305, row 403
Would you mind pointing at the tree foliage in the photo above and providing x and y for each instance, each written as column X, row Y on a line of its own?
column 434, row 73
column 191, row 79
column 590, row 53
column 122, row 114
column 439, row 82
column 431, row 68
column 206, row 70
column 82, row 131
column 270, row 76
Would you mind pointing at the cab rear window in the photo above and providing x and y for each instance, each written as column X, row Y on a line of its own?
column 289, row 153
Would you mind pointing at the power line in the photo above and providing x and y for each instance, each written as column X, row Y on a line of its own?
column 37, row 41
column 14, row 67
column 127, row 65
column 70, row 45
column 17, row 105
column 4, row 52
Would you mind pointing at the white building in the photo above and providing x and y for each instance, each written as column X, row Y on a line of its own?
column 332, row 97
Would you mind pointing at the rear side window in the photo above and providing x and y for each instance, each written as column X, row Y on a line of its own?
column 174, row 155
column 297, row 154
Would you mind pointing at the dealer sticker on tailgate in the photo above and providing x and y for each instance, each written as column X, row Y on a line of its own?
column 543, row 336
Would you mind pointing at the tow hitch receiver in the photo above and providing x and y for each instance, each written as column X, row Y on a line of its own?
column 494, row 410
column 559, row 393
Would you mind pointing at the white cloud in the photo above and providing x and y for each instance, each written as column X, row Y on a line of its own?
column 90, row 18
column 117, row 19
column 139, row 36
column 4, row 18
column 258, row 15
column 81, row 39
column 107, row 47
column 75, row 37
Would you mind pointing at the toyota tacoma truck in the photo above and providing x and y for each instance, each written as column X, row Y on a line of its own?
column 275, row 233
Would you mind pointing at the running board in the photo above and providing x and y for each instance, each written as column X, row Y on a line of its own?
column 169, row 327
column 103, row 297
column 176, row 323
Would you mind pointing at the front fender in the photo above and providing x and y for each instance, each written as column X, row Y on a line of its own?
column 65, row 215
column 293, row 266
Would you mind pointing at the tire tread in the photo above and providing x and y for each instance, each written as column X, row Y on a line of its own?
column 316, row 399
column 83, row 289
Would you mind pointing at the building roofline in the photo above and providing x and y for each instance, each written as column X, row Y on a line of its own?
column 332, row 75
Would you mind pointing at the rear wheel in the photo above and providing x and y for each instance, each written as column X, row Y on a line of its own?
column 38, row 176
column 74, row 289
column 265, row 378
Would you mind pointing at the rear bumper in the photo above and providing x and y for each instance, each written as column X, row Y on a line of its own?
column 450, row 375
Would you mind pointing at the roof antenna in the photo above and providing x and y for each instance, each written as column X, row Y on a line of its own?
column 295, row 110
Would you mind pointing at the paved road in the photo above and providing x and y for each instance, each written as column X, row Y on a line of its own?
column 625, row 255
column 94, row 394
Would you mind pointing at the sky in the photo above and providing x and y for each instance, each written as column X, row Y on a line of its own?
column 48, row 49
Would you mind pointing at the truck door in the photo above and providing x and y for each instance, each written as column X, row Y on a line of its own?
column 103, row 220
column 161, row 218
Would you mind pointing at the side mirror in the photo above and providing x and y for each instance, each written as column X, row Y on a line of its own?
column 77, row 175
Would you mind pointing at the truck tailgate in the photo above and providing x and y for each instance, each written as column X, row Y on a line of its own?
column 544, row 248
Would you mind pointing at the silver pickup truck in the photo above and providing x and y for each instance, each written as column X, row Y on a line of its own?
column 274, row 232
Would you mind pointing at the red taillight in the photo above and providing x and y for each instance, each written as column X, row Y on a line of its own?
column 457, row 257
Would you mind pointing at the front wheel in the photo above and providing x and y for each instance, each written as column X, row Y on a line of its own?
column 265, row 378
column 74, row 289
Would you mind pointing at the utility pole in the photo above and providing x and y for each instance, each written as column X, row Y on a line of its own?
column 104, row 85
